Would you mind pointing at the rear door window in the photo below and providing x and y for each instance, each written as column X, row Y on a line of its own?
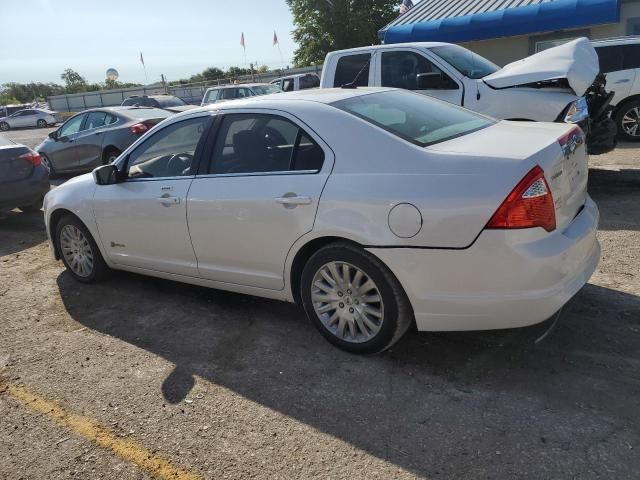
column 258, row 143
column 228, row 94
column 400, row 69
column 353, row 68
column 309, row 81
column 95, row 120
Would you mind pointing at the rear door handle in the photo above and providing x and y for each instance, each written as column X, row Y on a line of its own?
column 292, row 200
column 168, row 200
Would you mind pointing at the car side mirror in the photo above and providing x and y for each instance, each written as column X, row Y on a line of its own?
column 105, row 175
column 53, row 135
column 435, row 81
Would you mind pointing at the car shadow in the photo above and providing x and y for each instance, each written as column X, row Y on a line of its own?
column 432, row 404
column 20, row 231
column 617, row 193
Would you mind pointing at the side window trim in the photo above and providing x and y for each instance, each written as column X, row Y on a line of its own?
column 197, row 156
column 303, row 128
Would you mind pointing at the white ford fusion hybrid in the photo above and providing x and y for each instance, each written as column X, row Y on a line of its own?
column 373, row 208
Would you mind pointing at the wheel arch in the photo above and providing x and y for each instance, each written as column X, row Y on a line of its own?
column 107, row 150
column 623, row 103
column 303, row 254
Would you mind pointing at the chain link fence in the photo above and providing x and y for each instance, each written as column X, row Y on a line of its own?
column 189, row 92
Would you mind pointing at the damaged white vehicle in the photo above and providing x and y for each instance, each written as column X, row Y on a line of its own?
column 562, row 84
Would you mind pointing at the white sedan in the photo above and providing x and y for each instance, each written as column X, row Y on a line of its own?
column 31, row 117
column 373, row 208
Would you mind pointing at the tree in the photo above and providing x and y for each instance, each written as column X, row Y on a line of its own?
column 325, row 25
column 262, row 69
column 74, row 82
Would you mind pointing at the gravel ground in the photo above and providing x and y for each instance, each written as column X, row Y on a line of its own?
column 230, row 386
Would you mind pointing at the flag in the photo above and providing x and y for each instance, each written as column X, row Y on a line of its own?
column 242, row 40
column 406, row 6
column 275, row 39
column 141, row 59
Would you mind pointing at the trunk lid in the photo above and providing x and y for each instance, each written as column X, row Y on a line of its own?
column 529, row 144
column 575, row 61
column 12, row 168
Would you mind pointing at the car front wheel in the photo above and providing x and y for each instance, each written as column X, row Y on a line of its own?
column 628, row 121
column 4, row 126
column 79, row 251
column 354, row 300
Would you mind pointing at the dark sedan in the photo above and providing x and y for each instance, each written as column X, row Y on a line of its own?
column 96, row 137
column 24, row 180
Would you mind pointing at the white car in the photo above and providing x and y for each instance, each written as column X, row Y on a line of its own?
column 620, row 62
column 226, row 93
column 30, row 117
column 560, row 84
column 373, row 208
column 300, row 81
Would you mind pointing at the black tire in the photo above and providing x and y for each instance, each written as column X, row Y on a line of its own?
column 99, row 270
column 625, row 110
column 397, row 313
column 110, row 155
column 49, row 166
column 34, row 207
column 41, row 123
column 4, row 126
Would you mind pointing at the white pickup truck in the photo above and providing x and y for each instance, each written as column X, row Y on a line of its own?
column 562, row 84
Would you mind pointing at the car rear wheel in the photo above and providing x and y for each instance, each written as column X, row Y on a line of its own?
column 354, row 300
column 48, row 165
column 628, row 120
column 110, row 155
column 79, row 251
column 41, row 123
column 4, row 126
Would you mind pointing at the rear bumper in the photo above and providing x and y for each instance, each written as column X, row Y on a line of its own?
column 27, row 191
column 506, row 279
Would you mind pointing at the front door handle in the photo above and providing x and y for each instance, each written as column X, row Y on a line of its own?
column 624, row 80
column 168, row 200
column 291, row 200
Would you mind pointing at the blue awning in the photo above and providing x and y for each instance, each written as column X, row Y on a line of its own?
column 543, row 17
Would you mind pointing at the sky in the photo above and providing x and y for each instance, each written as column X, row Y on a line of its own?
column 41, row 38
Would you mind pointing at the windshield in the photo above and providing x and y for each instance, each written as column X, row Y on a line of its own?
column 265, row 89
column 416, row 118
column 469, row 64
column 170, row 102
column 143, row 113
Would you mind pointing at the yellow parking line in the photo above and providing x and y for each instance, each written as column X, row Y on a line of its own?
column 98, row 434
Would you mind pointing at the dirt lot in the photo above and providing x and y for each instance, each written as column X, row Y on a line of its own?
column 112, row 380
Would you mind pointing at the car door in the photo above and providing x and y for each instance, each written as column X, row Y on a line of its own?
column 88, row 141
column 142, row 220
column 21, row 119
column 62, row 153
column 401, row 68
column 257, row 196
column 619, row 63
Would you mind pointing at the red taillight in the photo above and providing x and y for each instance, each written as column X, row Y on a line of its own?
column 529, row 205
column 138, row 128
column 31, row 157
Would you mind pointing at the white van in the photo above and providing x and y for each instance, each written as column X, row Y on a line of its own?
column 561, row 84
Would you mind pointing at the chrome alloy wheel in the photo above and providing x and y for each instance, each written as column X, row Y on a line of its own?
column 347, row 302
column 76, row 250
column 46, row 163
column 631, row 122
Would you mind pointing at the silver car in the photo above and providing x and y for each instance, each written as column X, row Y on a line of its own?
column 31, row 117
column 235, row 92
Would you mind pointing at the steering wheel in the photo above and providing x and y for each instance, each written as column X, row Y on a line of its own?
column 179, row 163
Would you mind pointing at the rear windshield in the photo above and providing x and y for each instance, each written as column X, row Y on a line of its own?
column 416, row 118
column 469, row 64
column 265, row 89
column 145, row 113
column 170, row 102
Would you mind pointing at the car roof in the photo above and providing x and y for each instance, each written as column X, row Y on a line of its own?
column 296, row 75
column 391, row 45
column 239, row 85
column 616, row 41
column 154, row 95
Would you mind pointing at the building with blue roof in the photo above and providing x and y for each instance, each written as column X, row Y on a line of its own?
column 507, row 30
